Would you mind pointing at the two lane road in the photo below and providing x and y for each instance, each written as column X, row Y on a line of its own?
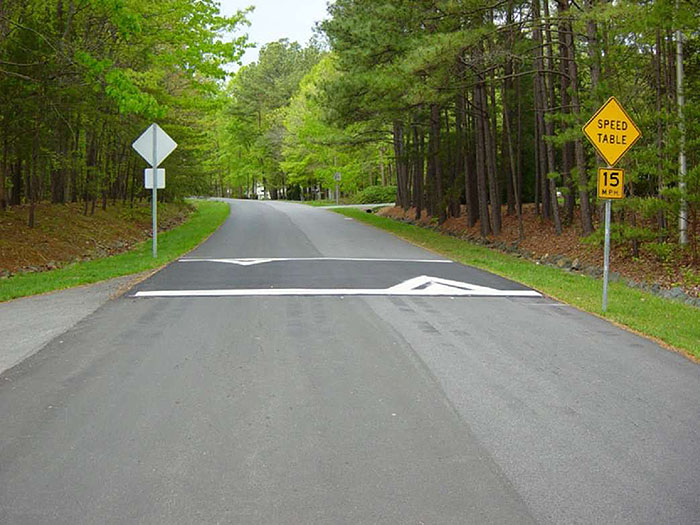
column 299, row 367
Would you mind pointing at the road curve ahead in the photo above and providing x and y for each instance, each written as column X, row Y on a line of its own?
column 299, row 367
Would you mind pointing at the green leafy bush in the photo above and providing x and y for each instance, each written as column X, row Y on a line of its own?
column 662, row 250
column 375, row 195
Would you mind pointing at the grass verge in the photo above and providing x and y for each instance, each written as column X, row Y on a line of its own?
column 207, row 217
column 675, row 324
column 321, row 203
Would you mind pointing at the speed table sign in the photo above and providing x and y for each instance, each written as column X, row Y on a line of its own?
column 611, row 131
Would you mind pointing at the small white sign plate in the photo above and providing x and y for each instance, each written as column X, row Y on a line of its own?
column 148, row 178
column 164, row 144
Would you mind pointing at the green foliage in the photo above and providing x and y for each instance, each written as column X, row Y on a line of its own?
column 662, row 250
column 86, row 78
column 620, row 233
column 129, row 98
column 250, row 126
column 375, row 195
column 314, row 148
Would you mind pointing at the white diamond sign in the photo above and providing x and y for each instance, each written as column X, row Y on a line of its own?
column 164, row 145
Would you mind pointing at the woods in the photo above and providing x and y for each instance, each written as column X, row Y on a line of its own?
column 81, row 79
column 470, row 109
column 473, row 109
column 500, row 94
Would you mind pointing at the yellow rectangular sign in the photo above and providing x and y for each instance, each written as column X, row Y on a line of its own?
column 611, row 131
column 611, row 184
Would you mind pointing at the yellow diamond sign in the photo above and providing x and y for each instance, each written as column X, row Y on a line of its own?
column 612, row 131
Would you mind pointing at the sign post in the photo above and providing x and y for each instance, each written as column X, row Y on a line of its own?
column 337, row 178
column 610, row 186
column 612, row 132
column 154, row 197
column 154, row 145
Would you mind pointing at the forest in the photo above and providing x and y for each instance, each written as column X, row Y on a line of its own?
column 80, row 80
column 458, row 108
column 473, row 108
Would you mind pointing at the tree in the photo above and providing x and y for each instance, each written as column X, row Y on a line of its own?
column 81, row 80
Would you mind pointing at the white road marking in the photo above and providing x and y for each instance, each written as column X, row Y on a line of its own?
column 263, row 260
column 418, row 286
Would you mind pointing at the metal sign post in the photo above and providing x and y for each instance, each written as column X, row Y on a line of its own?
column 154, row 145
column 611, row 185
column 154, row 197
column 606, row 254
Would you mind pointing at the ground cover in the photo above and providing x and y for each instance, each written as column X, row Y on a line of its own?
column 63, row 234
column 672, row 323
column 192, row 223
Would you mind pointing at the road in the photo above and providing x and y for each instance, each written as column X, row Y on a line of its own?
column 299, row 367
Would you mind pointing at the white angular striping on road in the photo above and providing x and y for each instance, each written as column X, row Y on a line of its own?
column 263, row 260
column 423, row 285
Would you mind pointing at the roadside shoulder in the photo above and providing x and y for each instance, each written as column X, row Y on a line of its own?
column 29, row 323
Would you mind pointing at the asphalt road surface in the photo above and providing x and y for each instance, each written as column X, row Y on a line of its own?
column 299, row 367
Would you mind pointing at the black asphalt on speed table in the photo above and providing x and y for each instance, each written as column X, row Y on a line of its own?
column 299, row 367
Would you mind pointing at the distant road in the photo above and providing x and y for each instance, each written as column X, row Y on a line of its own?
column 300, row 367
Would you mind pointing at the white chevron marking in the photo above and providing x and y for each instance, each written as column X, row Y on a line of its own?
column 423, row 285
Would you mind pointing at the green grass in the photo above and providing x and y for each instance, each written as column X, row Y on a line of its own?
column 207, row 217
column 673, row 323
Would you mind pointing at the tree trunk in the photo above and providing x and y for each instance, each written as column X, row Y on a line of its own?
column 660, row 216
column 401, row 171
column 32, row 176
column 584, row 198
column 16, row 195
column 465, row 151
column 506, row 138
column 494, row 193
column 58, row 179
column 3, row 172
column 484, row 219
column 460, row 171
column 519, row 146
column 547, row 94
column 540, row 108
column 434, row 148
column 453, row 191
column 567, row 150
column 74, row 161
column 418, row 171
column 381, row 165
column 90, row 161
column 537, row 147
column 495, row 172
column 507, row 131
